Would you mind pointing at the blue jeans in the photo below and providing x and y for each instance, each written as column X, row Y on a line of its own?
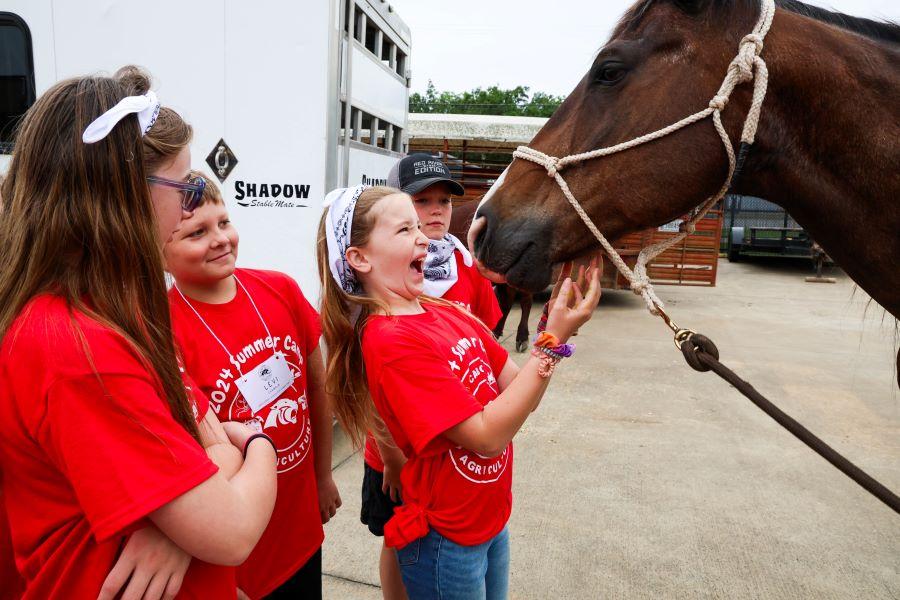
column 434, row 568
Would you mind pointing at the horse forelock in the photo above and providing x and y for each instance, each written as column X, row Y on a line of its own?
column 635, row 15
column 884, row 31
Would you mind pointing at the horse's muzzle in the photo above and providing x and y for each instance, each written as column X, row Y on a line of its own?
column 510, row 251
column 478, row 225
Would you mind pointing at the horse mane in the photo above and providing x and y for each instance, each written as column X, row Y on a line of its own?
column 883, row 31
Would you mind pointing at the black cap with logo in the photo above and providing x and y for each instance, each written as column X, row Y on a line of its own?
column 416, row 172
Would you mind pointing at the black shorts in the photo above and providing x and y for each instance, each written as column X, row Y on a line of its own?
column 305, row 584
column 377, row 507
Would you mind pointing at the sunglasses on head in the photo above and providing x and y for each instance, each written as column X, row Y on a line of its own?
column 193, row 190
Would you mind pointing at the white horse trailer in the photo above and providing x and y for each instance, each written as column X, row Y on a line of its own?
column 287, row 99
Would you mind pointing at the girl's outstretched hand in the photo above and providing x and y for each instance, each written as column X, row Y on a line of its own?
column 571, row 307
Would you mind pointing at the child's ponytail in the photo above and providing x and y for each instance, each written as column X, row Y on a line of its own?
column 343, row 318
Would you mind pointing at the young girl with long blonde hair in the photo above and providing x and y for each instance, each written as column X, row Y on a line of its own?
column 446, row 391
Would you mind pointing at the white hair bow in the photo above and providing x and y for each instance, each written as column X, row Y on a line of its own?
column 146, row 107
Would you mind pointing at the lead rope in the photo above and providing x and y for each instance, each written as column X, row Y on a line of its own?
column 702, row 355
column 213, row 333
column 698, row 350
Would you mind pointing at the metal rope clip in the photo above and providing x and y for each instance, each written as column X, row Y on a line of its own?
column 681, row 336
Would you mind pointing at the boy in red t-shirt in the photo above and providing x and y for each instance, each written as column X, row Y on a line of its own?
column 250, row 340
column 448, row 393
column 450, row 274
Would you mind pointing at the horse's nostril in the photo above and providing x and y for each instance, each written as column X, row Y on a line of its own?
column 476, row 234
column 480, row 231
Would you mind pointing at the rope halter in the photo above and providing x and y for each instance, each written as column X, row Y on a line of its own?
column 746, row 66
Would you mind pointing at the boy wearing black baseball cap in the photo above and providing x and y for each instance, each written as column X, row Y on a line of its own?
column 449, row 270
column 416, row 172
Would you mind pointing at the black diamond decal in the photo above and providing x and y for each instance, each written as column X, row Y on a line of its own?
column 221, row 160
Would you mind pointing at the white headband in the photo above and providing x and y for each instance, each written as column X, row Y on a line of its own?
column 340, row 204
column 146, row 107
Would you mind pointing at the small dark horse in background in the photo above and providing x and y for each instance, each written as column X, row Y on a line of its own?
column 506, row 295
column 827, row 148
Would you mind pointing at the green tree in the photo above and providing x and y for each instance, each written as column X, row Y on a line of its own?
column 492, row 100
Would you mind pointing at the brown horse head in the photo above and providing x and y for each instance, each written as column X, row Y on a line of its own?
column 665, row 60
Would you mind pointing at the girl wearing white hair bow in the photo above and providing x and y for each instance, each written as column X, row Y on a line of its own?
column 446, row 391
column 107, row 487
column 450, row 274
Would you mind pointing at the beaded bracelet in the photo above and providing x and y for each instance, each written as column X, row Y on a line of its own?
column 551, row 353
column 256, row 436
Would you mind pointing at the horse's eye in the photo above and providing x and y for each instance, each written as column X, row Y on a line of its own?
column 610, row 73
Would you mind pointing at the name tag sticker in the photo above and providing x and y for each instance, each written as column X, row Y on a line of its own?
column 266, row 382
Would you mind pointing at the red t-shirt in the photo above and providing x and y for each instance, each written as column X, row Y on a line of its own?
column 89, row 449
column 295, row 530
column 474, row 293
column 11, row 584
column 427, row 373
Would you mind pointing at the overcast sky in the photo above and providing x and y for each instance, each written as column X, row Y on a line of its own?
column 544, row 44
